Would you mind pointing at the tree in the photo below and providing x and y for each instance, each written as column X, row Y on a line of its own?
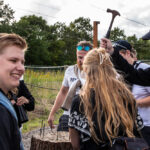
column 132, row 39
column 56, row 44
column 80, row 29
column 6, row 17
column 6, row 13
column 141, row 46
column 67, row 37
column 57, row 52
column 35, row 30
column 143, row 49
column 117, row 34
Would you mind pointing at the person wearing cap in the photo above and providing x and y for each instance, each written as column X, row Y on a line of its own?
column 122, row 47
column 70, row 77
column 134, row 76
column 141, row 93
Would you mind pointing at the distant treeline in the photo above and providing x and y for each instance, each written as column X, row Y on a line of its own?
column 55, row 45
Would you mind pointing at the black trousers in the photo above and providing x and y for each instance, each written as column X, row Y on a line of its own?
column 146, row 134
column 63, row 123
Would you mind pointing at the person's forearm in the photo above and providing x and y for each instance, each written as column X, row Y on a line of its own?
column 140, row 77
column 59, row 100
column 144, row 102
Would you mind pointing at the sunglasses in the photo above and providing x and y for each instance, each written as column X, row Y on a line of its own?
column 116, row 44
column 85, row 47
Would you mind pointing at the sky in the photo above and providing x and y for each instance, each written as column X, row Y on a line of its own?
column 134, row 14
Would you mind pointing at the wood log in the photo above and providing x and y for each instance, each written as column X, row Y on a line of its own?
column 39, row 144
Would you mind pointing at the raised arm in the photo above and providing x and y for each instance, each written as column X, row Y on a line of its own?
column 140, row 77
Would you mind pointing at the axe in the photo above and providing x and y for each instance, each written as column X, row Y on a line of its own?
column 71, row 93
column 114, row 14
column 72, row 90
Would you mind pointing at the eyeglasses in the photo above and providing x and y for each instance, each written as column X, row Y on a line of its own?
column 116, row 44
column 85, row 47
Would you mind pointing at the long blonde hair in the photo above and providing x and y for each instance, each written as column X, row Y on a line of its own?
column 112, row 97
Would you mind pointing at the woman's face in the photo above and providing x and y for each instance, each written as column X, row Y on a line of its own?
column 11, row 67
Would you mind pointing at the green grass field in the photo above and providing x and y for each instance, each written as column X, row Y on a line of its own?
column 44, row 86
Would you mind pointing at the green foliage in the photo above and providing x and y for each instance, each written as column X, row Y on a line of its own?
column 50, row 80
column 82, row 28
column 51, row 45
column 44, row 87
column 6, row 17
column 35, row 30
column 55, row 45
column 79, row 30
column 35, row 122
column 117, row 34
column 68, row 37
column 6, row 13
column 143, row 49
column 31, row 124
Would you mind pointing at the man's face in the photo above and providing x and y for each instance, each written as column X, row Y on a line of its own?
column 80, row 57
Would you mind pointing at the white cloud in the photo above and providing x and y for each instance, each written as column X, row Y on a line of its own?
column 68, row 10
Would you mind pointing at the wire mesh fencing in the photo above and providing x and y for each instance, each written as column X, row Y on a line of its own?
column 44, row 86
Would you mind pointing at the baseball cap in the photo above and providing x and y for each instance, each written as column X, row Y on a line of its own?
column 122, row 44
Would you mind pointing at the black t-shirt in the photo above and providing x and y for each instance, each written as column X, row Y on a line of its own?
column 78, row 121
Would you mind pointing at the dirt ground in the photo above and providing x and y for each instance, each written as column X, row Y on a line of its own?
column 26, row 138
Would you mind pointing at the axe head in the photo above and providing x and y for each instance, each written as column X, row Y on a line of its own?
column 114, row 12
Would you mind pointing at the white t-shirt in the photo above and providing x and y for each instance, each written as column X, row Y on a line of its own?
column 142, row 92
column 69, row 78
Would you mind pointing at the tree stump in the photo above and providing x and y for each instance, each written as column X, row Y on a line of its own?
column 51, row 142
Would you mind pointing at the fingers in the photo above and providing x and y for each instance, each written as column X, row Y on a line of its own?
column 103, row 43
column 19, row 103
column 50, row 122
column 22, row 100
column 106, row 43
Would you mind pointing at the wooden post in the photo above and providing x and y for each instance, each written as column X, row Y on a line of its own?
column 95, row 33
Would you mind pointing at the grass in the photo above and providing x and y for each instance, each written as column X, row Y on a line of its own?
column 44, row 86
